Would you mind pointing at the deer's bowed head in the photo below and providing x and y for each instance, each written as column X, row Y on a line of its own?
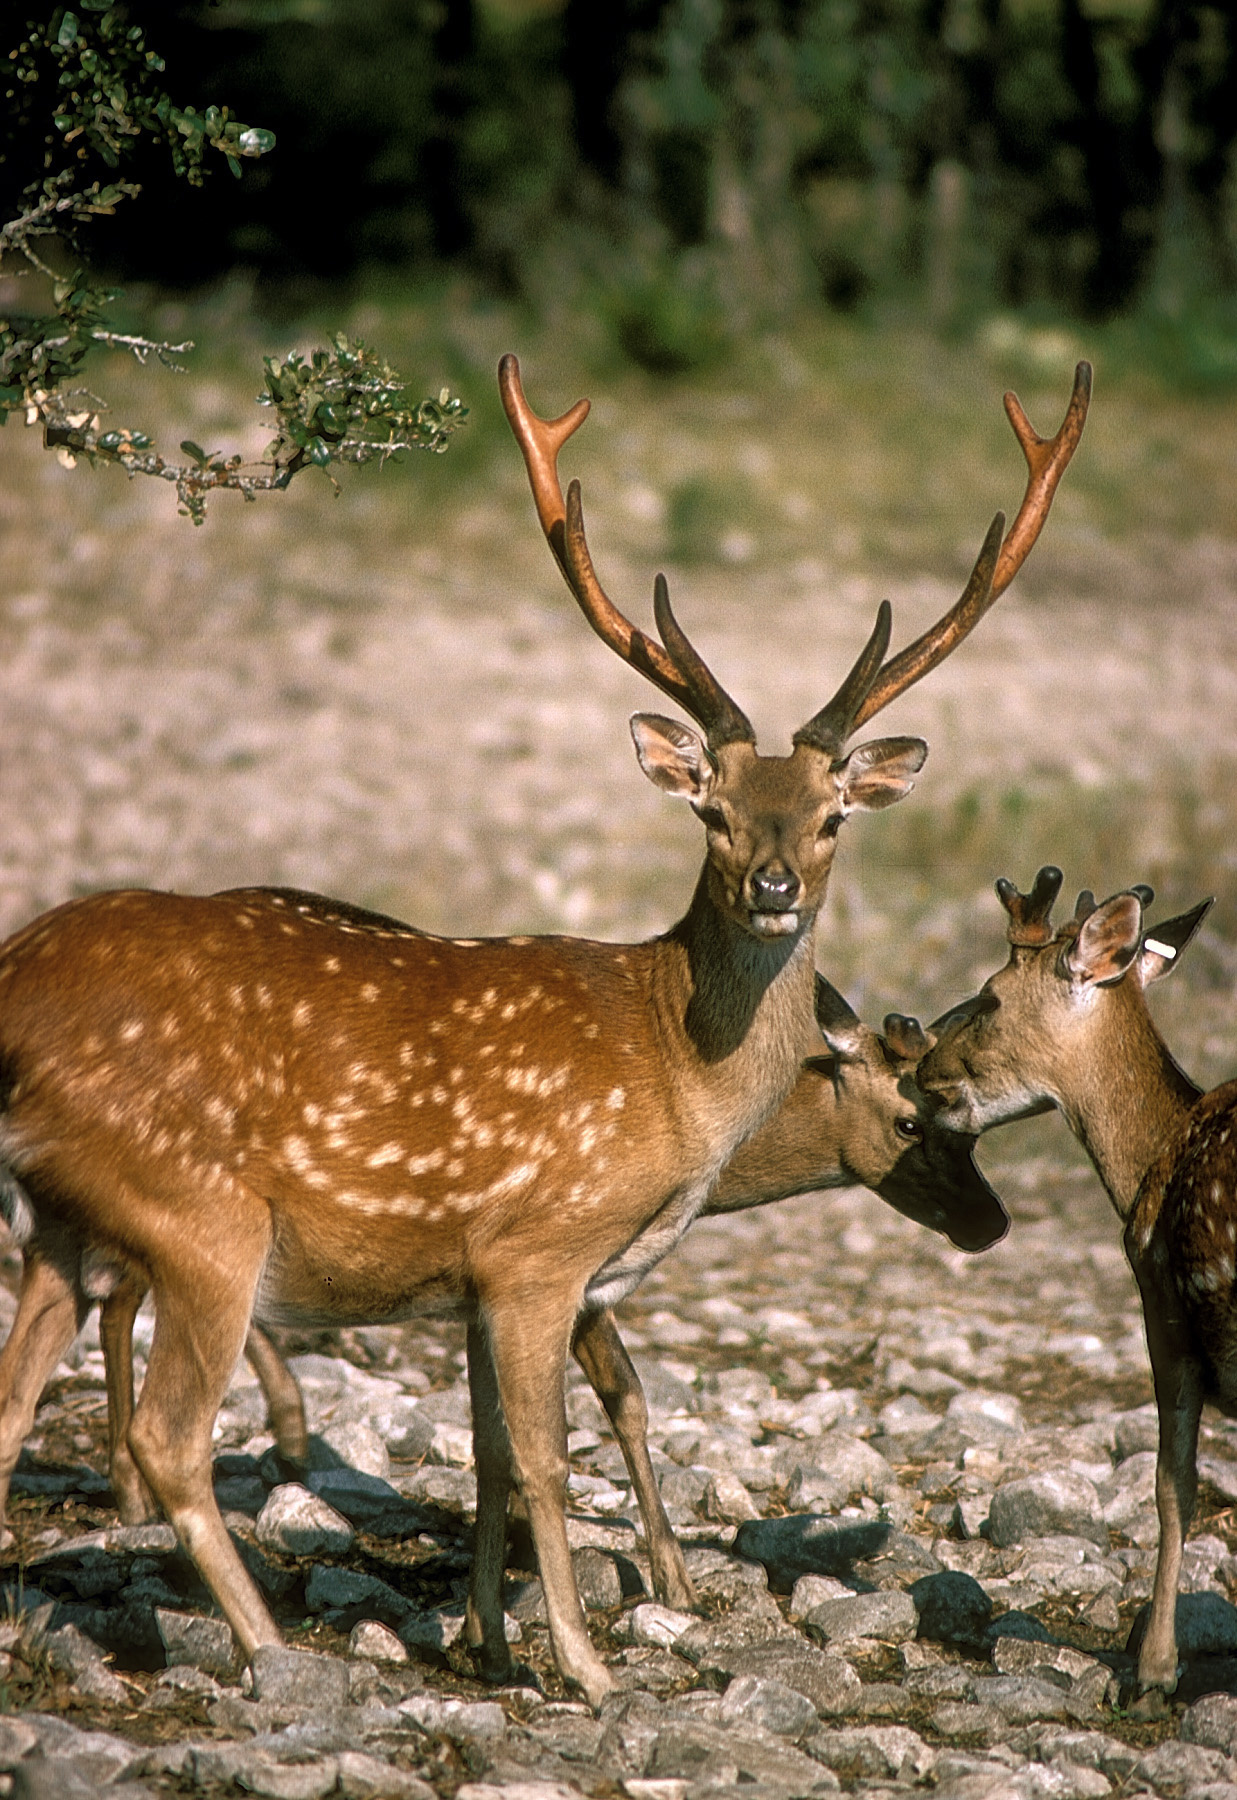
column 1034, row 1035
column 772, row 822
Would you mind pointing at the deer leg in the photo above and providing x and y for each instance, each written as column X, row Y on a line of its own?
column 134, row 1500
column 1179, row 1401
column 483, row 1620
column 602, row 1355
column 284, row 1405
column 529, row 1346
column 202, row 1313
column 49, row 1316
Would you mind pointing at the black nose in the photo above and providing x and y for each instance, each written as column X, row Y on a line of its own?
column 774, row 890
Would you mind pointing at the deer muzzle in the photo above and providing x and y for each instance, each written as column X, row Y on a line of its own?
column 773, row 898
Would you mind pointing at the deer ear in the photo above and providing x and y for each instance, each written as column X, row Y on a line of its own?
column 672, row 756
column 1163, row 945
column 877, row 774
column 1107, row 942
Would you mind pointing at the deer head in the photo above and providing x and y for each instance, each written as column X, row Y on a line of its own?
column 890, row 1134
column 772, row 822
column 1064, row 1022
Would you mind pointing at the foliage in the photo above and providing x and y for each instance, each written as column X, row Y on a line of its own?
column 92, row 80
column 958, row 155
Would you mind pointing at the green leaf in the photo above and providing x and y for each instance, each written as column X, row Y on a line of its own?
column 195, row 451
column 318, row 452
column 66, row 37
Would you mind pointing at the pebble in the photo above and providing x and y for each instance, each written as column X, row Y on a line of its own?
column 299, row 1523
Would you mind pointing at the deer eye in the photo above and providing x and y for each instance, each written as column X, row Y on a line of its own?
column 910, row 1129
column 832, row 825
column 713, row 819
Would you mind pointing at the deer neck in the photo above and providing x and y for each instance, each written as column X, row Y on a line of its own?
column 1129, row 1104
column 737, row 1014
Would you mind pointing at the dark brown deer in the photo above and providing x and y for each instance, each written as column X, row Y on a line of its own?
column 1065, row 1024
column 270, row 1104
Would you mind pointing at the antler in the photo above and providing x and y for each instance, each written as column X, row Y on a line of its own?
column 1030, row 914
column 1047, row 461
column 677, row 669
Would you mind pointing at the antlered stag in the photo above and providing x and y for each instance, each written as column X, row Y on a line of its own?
column 855, row 1116
column 272, row 1105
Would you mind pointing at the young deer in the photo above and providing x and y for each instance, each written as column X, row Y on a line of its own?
column 270, row 1104
column 1065, row 1024
column 855, row 1117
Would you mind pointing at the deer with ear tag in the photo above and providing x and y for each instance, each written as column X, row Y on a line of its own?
column 1065, row 1024
column 273, row 1106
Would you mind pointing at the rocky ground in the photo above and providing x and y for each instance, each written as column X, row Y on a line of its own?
column 917, row 1487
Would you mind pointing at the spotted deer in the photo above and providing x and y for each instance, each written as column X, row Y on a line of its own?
column 1065, row 1024
column 855, row 1117
column 271, row 1105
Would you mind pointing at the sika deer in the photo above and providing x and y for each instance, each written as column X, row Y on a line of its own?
column 854, row 1117
column 1065, row 1024
column 269, row 1104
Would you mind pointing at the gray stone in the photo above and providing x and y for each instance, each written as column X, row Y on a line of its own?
column 889, row 1616
column 1130, row 1490
column 1021, row 1698
column 812, row 1590
column 1212, row 1722
column 807, row 1544
column 953, row 1608
column 1052, row 1501
column 875, row 1752
column 455, row 1490
column 299, row 1677
column 707, row 1640
column 683, row 1490
column 1178, row 1766
column 1088, row 1682
column 711, row 1754
column 985, row 1417
column 665, row 1392
column 826, row 1680
column 376, row 1642
column 459, row 1721
column 1137, row 1430
column 770, row 1704
column 1206, row 1626
column 598, row 1579
column 652, row 1623
column 52, row 1778
column 298, row 1523
column 203, row 1643
column 364, row 1777
column 854, row 1465
column 727, row 1500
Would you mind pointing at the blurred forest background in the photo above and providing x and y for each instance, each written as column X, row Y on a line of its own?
column 691, row 170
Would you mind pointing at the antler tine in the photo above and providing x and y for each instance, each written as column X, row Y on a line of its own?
column 901, row 671
column 1047, row 460
column 540, row 440
column 829, row 728
column 1029, row 914
column 726, row 722
column 682, row 673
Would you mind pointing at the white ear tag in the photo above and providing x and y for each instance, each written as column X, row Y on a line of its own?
column 1164, row 950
